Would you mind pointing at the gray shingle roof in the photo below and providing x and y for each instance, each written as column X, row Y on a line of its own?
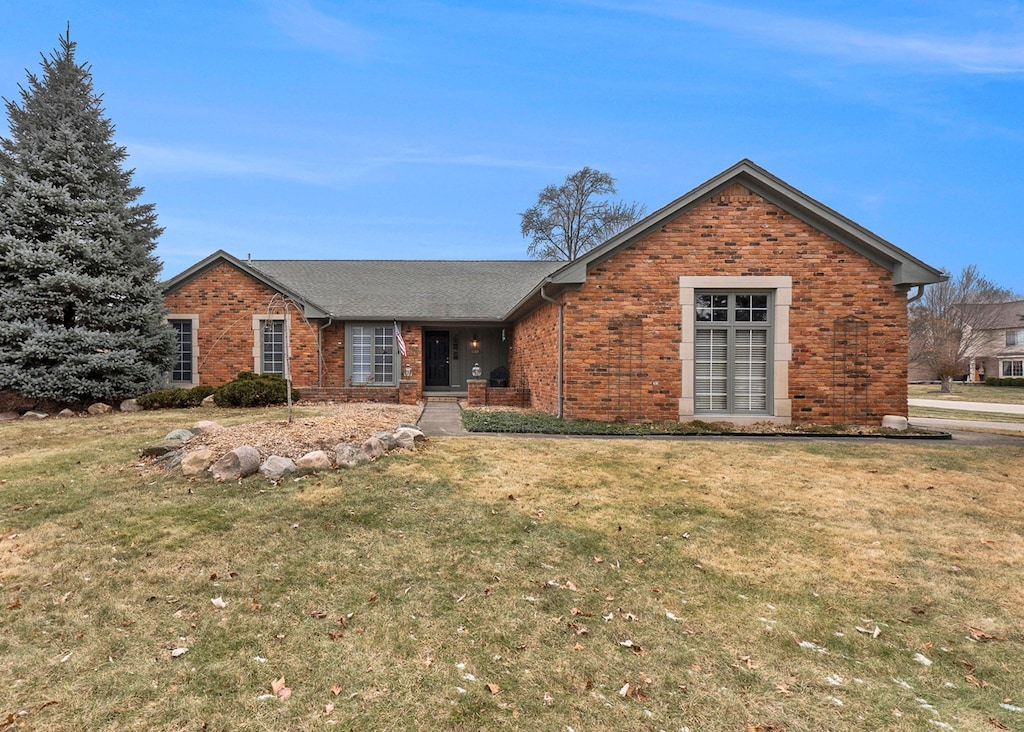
column 409, row 289
column 996, row 316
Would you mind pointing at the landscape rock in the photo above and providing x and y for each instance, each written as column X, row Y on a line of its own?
column 197, row 461
column 276, row 467
column 239, row 463
column 9, row 416
column 206, row 425
column 172, row 459
column 416, row 433
column 208, row 402
column 179, row 434
column 894, row 422
column 347, row 455
column 312, row 462
column 387, row 440
column 405, row 441
column 34, row 415
column 373, row 447
column 162, row 448
column 99, row 408
column 66, row 414
column 130, row 405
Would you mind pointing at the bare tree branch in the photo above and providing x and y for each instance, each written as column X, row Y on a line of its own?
column 570, row 219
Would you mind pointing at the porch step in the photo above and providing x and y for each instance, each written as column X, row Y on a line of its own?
column 441, row 399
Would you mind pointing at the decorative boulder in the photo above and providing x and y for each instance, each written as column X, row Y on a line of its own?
column 197, row 461
column 99, row 408
column 208, row 402
column 313, row 462
column 373, row 447
column 276, row 467
column 162, row 448
column 349, row 456
column 172, row 459
column 130, row 405
column 414, row 432
column 387, row 440
column 894, row 422
column 206, row 425
column 66, row 414
column 239, row 463
column 181, row 435
column 405, row 440
column 34, row 415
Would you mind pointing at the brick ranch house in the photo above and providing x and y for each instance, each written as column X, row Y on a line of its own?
column 745, row 300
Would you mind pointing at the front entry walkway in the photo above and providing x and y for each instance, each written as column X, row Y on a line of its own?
column 441, row 419
column 968, row 406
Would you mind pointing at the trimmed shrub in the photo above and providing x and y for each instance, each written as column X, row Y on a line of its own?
column 253, row 390
column 175, row 398
column 1007, row 381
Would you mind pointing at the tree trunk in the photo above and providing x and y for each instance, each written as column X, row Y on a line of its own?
column 947, row 385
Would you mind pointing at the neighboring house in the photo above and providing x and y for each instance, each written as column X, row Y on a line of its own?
column 745, row 300
column 996, row 347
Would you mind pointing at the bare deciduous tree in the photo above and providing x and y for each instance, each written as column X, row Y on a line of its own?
column 570, row 219
column 945, row 327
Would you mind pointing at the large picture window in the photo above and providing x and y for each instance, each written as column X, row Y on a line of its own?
column 371, row 354
column 732, row 352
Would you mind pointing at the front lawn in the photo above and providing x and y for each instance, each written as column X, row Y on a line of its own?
column 486, row 583
column 969, row 393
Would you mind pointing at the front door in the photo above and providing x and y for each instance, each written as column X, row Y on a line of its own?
column 436, row 365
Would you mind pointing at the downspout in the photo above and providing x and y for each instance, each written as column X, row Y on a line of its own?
column 561, row 341
column 320, row 352
column 918, row 296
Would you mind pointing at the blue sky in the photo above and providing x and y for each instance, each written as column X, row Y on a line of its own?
column 407, row 130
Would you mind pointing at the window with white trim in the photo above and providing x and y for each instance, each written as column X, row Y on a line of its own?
column 1013, row 368
column 272, row 345
column 183, row 366
column 1015, row 337
column 732, row 352
column 370, row 354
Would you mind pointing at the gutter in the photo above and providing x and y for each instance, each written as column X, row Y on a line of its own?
column 561, row 342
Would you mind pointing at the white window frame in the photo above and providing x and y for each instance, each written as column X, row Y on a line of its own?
column 1011, row 368
column 378, row 358
column 194, row 318
column 1015, row 338
column 780, row 406
column 257, row 343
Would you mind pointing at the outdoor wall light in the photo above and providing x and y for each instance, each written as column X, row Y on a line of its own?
column 476, row 371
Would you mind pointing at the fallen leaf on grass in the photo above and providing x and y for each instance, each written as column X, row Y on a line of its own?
column 335, row 689
column 218, row 602
column 281, row 691
column 635, row 647
column 873, row 633
column 922, row 659
column 996, row 723
column 494, row 688
column 980, row 636
column 328, row 708
column 548, row 699
column 970, row 679
column 178, row 652
column 748, row 661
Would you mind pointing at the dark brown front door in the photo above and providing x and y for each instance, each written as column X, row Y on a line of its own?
column 436, row 358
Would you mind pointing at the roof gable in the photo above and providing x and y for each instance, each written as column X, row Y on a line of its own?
column 907, row 270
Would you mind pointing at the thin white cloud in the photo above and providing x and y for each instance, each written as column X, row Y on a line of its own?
column 310, row 27
column 156, row 159
column 997, row 50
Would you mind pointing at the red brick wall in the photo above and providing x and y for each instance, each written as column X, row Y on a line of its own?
column 226, row 299
column 533, row 357
column 622, row 329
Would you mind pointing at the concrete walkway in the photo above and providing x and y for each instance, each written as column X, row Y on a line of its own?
column 441, row 419
column 934, row 423
column 968, row 406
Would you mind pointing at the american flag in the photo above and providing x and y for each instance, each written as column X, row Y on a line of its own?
column 400, row 340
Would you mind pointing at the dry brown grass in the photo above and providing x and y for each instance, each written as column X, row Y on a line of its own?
column 409, row 585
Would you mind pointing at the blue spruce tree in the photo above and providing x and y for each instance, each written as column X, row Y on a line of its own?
column 81, row 313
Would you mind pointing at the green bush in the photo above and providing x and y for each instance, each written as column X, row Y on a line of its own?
column 1009, row 381
column 253, row 390
column 175, row 398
